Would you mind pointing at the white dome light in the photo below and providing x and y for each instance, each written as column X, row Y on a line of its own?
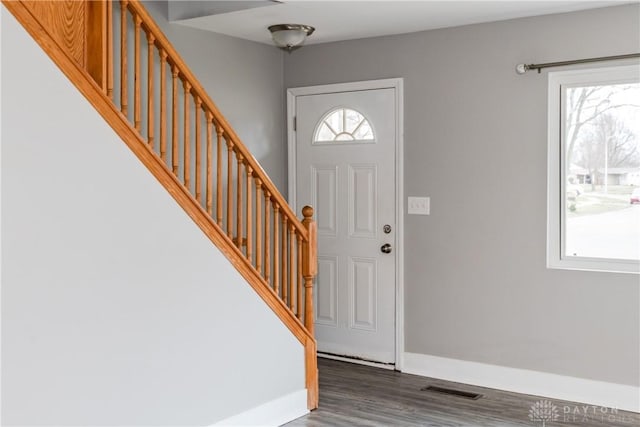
column 290, row 36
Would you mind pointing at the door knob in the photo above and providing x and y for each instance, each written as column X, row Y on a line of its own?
column 386, row 248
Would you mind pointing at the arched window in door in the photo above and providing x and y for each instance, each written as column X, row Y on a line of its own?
column 343, row 125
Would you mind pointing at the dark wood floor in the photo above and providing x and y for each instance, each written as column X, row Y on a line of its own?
column 355, row 395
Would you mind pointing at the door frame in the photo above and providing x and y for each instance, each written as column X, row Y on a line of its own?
column 398, row 85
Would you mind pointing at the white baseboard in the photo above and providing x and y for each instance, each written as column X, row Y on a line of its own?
column 271, row 414
column 611, row 395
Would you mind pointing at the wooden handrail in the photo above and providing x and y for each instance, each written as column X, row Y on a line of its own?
column 279, row 264
column 242, row 170
column 174, row 58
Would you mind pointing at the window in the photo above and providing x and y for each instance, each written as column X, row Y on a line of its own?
column 343, row 124
column 594, row 169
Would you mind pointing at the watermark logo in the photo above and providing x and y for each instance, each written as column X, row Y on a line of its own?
column 543, row 412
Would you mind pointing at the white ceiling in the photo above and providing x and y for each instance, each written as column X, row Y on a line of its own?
column 344, row 20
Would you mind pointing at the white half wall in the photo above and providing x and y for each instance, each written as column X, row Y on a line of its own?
column 116, row 309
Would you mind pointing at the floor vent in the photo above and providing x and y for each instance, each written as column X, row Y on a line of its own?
column 452, row 392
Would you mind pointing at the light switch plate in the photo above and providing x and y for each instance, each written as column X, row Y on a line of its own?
column 419, row 206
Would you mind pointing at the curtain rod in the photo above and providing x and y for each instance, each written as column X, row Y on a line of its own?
column 523, row 68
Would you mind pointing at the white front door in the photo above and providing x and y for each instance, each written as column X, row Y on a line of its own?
column 345, row 146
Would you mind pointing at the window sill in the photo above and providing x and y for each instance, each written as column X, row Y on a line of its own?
column 595, row 265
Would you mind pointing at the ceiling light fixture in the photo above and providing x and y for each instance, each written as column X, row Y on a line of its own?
column 290, row 36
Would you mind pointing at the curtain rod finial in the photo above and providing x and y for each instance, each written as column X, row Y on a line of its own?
column 521, row 68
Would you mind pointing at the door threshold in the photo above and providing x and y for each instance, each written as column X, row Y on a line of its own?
column 358, row 361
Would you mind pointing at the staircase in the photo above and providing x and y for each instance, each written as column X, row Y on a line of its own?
column 148, row 95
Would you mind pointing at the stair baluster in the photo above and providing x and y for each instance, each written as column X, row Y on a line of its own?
column 123, row 58
column 198, row 113
column 137, row 78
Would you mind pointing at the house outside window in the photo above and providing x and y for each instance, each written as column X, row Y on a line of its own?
column 594, row 169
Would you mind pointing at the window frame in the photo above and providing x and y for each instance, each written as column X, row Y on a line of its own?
column 556, row 168
column 325, row 116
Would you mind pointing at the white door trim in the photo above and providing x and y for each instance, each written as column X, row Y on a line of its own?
column 398, row 85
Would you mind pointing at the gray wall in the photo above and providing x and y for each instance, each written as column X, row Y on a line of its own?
column 116, row 308
column 475, row 141
column 244, row 79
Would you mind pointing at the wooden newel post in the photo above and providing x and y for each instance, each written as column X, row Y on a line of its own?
column 309, row 265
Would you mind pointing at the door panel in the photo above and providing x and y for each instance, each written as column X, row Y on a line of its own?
column 363, row 274
column 326, row 296
column 345, row 168
column 325, row 198
column 362, row 201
